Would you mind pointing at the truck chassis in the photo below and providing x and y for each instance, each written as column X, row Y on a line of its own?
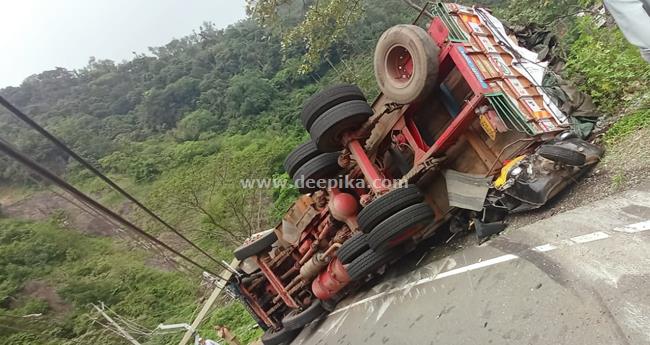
column 462, row 133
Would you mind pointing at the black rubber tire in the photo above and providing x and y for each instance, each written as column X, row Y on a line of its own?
column 561, row 154
column 302, row 154
column 327, row 130
column 352, row 248
column 283, row 336
column 257, row 246
column 321, row 102
column 424, row 56
column 330, row 304
column 300, row 320
column 368, row 262
column 321, row 167
column 397, row 224
column 387, row 205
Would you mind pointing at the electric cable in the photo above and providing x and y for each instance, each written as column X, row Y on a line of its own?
column 82, row 197
column 22, row 116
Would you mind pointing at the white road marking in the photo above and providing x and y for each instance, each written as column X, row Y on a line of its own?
column 594, row 236
column 544, row 248
column 478, row 265
column 634, row 228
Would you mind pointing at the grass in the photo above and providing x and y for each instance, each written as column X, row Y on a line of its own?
column 627, row 125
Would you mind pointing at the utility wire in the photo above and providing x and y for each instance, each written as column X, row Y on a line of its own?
column 79, row 195
column 22, row 116
column 118, row 228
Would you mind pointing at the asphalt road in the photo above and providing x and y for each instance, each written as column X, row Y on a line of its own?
column 580, row 277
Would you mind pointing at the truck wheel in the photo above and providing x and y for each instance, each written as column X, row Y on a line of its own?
column 299, row 156
column 299, row 320
column 368, row 262
column 328, row 129
column 282, row 336
column 395, row 228
column 326, row 99
column 406, row 63
column 319, row 168
column 387, row 205
column 353, row 247
column 562, row 155
column 258, row 245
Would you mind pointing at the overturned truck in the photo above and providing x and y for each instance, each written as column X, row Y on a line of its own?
column 462, row 133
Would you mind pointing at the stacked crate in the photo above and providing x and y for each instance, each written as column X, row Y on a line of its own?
column 511, row 72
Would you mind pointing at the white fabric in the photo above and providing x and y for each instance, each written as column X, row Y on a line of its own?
column 634, row 21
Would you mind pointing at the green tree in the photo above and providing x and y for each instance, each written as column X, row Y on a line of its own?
column 249, row 94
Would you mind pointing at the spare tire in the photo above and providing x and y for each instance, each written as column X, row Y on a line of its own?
column 319, row 168
column 406, row 63
column 327, row 131
column 387, row 205
column 299, row 320
column 299, row 156
column 562, row 154
column 255, row 247
column 326, row 99
column 385, row 234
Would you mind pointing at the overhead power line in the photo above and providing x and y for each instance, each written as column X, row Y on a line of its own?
column 61, row 145
column 82, row 197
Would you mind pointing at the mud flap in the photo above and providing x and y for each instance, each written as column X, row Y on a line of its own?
column 466, row 191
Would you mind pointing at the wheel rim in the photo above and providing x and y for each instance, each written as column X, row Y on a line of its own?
column 399, row 65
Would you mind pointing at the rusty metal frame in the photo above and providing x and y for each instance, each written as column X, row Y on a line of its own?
column 276, row 283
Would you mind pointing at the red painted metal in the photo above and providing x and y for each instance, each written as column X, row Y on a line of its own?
column 276, row 283
column 438, row 31
column 331, row 281
column 343, row 206
column 456, row 128
column 256, row 307
column 415, row 133
column 373, row 176
column 305, row 246
column 400, row 64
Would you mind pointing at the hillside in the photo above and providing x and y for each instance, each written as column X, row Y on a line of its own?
column 181, row 125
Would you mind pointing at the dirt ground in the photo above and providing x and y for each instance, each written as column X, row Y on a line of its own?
column 42, row 290
column 43, row 205
column 625, row 165
column 47, row 204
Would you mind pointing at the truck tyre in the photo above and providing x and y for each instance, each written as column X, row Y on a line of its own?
column 387, row 205
column 299, row 156
column 406, row 63
column 389, row 233
column 326, row 99
column 321, row 167
column 299, row 320
column 368, row 262
column 352, row 248
column 256, row 246
column 328, row 129
column 562, row 155
column 282, row 336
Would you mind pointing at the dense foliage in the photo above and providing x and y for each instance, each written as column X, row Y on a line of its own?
column 46, row 269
